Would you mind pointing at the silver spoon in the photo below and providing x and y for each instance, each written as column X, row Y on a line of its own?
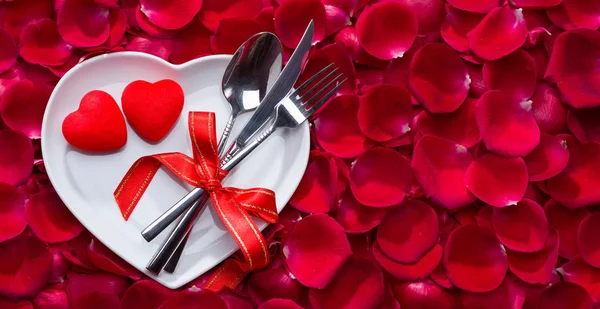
column 252, row 70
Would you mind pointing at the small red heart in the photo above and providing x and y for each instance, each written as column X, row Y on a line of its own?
column 97, row 125
column 152, row 109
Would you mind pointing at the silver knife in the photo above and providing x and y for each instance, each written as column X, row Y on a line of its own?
column 282, row 86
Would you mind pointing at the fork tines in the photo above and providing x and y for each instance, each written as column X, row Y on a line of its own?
column 323, row 85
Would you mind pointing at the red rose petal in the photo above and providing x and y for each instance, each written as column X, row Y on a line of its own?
column 82, row 23
column 96, row 290
column 484, row 215
column 565, row 295
column 423, row 295
column 21, row 304
column 23, row 107
column 385, row 112
column 541, row 57
column 535, row 4
column 232, row 33
column 477, row 87
column 566, row 223
column 440, row 277
column 192, row 297
column 15, row 15
column 292, row 18
column 475, row 259
column 548, row 159
column 12, row 212
column 146, row 294
column 349, row 6
column 348, row 39
column 499, row 33
column 515, row 74
column 76, row 250
column 538, row 24
column 387, row 29
column 579, row 272
column 535, row 267
column 151, row 29
column 496, row 180
column 357, row 218
column 410, row 272
column 507, row 126
column 440, row 165
column 408, row 232
column 577, row 185
column 60, row 265
column 235, row 301
column 279, row 304
column 548, row 110
column 336, row 19
column 337, row 129
column 438, row 78
column 459, row 126
column 192, row 43
column 583, row 13
column 430, row 14
column 118, row 24
column 333, row 53
column 358, row 284
column 456, row 26
column 52, row 299
column 16, row 157
column 215, row 11
column 9, row 52
column 477, row 6
column 173, row 14
column 317, row 189
column 507, row 295
column 157, row 47
column 583, row 124
column 108, row 261
column 465, row 215
column 42, row 44
column 50, row 219
column 265, row 18
column 275, row 281
column 573, row 67
column 26, row 266
column 61, row 70
column 380, row 177
column 315, row 249
column 587, row 240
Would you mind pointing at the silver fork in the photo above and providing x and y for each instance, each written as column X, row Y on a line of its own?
column 290, row 112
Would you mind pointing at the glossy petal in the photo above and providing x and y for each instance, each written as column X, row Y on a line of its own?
column 507, row 295
column 456, row 26
column 357, row 218
column 76, row 251
column 12, row 212
column 215, row 11
column 50, row 219
column 317, row 189
column 82, row 23
column 514, row 74
column 23, row 107
column 522, row 227
column 477, row 6
column 172, row 14
column 9, row 52
column 410, row 272
column 548, row 110
column 535, row 4
column 192, row 297
column 535, row 267
column 423, row 295
column 292, row 17
column 275, row 281
column 587, row 241
column 331, row 54
column 566, row 223
column 157, row 47
column 15, row 15
column 232, row 33
column 151, row 29
column 459, row 126
column 385, row 112
column 565, row 295
column 192, row 43
column 16, row 157
column 499, row 33
column 279, row 304
column 103, row 258
column 146, row 294
column 548, row 159
column 583, row 13
column 42, row 44
column 52, row 299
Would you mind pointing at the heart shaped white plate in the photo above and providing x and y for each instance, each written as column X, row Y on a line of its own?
column 86, row 182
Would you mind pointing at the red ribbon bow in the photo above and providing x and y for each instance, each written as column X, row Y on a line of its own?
column 234, row 206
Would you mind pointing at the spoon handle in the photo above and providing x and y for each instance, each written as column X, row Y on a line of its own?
column 226, row 133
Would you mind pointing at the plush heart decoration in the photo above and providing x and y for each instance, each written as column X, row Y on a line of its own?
column 97, row 125
column 152, row 109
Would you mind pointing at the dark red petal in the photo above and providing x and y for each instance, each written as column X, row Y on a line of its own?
column 477, row 87
column 192, row 297
column 380, row 177
column 349, row 6
column 535, row 267
column 232, row 33
column 235, row 301
column 51, row 299
column 61, row 70
column 548, row 110
column 484, row 216
column 76, row 251
column 292, row 17
column 541, row 57
column 496, row 180
column 456, row 26
column 172, row 14
column 192, row 43
column 565, row 295
column 583, row 13
column 499, row 33
column 82, row 23
column 459, row 126
column 507, row 295
column 317, row 189
column 275, row 281
column 559, row 17
column 315, row 249
column 548, row 159
column 333, row 53
column 440, row 277
column 42, row 44
column 587, row 239
column 108, row 261
column 583, row 124
column 535, row 4
column 515, row 74
column 12, row 212
column 265, row 18
column 477, row 6
column 566, row 223
column 157, row 47
column 23, row 107
column 50, row 219
column 423, row 295
column 440, row 165
column 507, row 126
column 348, row 39
column 16, row 157
column 538, row 24
column 215, row 11
column 26, row 266
column 15, row 15
column 387, row 29
column 279, row 304
column 408, row 232
column 21, row 304
column 385, row 112
column 337, row 129
column 410, row 272
column 579, row 272
column 60, row 265
column 358, row 284
column 336, row 19
column 438, row 78
column 96, row 290
column 357, row 218
column 9, row 51
column 146, row 294
column 573, row 67
column 151, row 29
column 475, row 259
column 577, row 185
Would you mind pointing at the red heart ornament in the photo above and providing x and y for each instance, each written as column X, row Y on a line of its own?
column 152, row 109
column 97, row 125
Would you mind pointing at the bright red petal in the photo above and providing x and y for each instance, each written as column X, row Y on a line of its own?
column 9, row 51
column 76, row 251
column 357, row 218
column 548, row 110
column 535, row 4
column 151, row 29
column 566, row 223
column 23, row 107
column 565, row 295
column 548, row 159
column 275, row 281
column 423, row 295
column 16, row 157
column 172, row 14
column 385, row 112
column 215, row 11
column 192, row 297
column 279, row 304
column 108, row 261
column 82, row 23
column 232, row 33
column 21, row 304
column 96, row 290
column 499, row 33
column 42, row 44
column 15, row 15
column 50, row 219
column 587, row 240
column 515, row 74
column 192, row 43
column 51, row 299
column 12, row 212
column 507, row 295
column 331, row 54
column 317, row 189
column 146, row 294
column 336, row 19
column 583, row 13
column 477, row 6
column 292, row 18
column 157, row 47
column 579, row 272
column 410, row 272
column 60, row 266
column 535, row 267
column 456, row 26
column 459, row 126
